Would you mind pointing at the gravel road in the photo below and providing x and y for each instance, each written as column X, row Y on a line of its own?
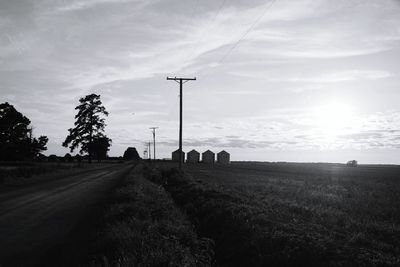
column 38, row 219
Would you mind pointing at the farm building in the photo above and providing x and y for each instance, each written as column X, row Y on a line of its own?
column 223, row 157
column 208, row 157
column 193, row 156
column 175, row 156
column 352, row 163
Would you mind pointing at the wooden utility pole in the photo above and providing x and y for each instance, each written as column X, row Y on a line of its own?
column 149, row 144
column 154, row 141
column 181, row 81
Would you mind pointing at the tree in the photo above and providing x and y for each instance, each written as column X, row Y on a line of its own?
column 38, row 145
column 16, row 138
column 131, row 154
column 68, row 157
column 100, row 147
column 88, row 125
column 52, row 158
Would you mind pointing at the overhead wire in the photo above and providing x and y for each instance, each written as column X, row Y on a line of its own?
column 256, row 21
column 247, row 31
column 219, row 10
column 220, row 7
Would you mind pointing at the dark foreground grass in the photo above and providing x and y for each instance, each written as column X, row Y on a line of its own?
column 293, row 220
column 143, row 227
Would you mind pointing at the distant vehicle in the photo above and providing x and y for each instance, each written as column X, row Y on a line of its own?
column 352, row 163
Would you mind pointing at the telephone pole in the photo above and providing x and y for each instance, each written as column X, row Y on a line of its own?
column 154, row 141
column 149, row 144
column 181, row 81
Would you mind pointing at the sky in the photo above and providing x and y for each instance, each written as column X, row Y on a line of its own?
column 283, row 80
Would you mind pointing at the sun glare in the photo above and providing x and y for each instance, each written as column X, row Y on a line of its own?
column 334, row 118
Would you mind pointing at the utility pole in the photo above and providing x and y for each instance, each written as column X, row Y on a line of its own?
column 154, row 141
column 181, row 81
column 149, row 144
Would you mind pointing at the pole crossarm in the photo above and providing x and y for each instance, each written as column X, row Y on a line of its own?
column 181, row 81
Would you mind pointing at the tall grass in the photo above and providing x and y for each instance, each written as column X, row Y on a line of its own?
column 143, row 227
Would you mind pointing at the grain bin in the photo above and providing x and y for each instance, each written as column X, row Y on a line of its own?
column 175, row 156
column 193, row 156
column 208, row 157
column 223, row 157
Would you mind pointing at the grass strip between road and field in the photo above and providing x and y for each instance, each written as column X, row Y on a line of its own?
column 143, row 227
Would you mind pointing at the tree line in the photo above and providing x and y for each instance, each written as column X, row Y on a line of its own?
column 16, row 133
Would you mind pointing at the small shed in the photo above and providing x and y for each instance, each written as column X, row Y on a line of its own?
column 193, row 156
column 223, row 157
column 208, row 157
column 175, row 156
column 352, row 163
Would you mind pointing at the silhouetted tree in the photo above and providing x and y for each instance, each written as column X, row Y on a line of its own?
column 100, row 147
column 131, row 154
column 88, row 125
column 52, row 158
column 68, row 157
column 16, row 139
column 41, row 158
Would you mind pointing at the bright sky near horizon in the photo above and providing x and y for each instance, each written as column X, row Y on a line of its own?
column 310, row 80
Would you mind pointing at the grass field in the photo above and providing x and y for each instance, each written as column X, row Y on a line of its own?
column 287, row 214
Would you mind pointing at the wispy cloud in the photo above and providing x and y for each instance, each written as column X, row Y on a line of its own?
column 336, row 76
column 84, row 4
column 244, row 96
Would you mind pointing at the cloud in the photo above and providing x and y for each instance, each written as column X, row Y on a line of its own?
column 292, row 130
column 333, row 77
column 84, row 4
column 53, row 52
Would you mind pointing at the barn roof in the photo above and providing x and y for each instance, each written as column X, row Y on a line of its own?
column 193, row 151
column 223, row 152
column 208, row 152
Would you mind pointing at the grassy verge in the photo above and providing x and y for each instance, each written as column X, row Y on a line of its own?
column 245, row 234
column 143, row 227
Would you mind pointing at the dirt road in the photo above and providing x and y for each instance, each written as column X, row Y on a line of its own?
column 36, row 220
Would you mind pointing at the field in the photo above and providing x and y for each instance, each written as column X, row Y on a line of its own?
column 287, row 214
column 241, row 214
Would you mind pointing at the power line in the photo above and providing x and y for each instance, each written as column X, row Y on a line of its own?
column 247, row 31
column 219, row 10
column 258, row 19
column 206, row 29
